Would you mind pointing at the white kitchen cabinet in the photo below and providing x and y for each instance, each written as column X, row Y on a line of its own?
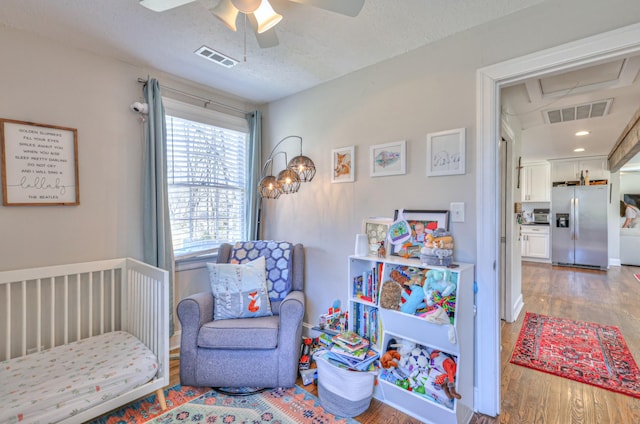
column 536, row 183
column 597, row 168
column 535, row 242
column 369, row 317
column 569, row 169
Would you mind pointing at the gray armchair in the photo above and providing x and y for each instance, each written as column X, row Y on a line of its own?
column 244, row 352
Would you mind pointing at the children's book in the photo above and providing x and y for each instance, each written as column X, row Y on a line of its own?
column 348, row 337
column 355, row 354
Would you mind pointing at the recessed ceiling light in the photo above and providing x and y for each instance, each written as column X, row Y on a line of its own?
column 581, row 133
column 579, row 149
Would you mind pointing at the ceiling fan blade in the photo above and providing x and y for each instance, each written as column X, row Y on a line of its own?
column 162, row 5
column 268, row 38
column 344, row 7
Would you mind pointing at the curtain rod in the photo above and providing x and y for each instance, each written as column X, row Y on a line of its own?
column 194, row 96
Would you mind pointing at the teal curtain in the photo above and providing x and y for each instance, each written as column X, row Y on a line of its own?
column 254, row 201
column 158, row 247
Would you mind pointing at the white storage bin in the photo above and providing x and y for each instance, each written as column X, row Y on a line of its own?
column 341, row 391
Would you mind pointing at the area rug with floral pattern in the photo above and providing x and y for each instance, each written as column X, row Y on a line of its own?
column 587, row 352
column 276, row 406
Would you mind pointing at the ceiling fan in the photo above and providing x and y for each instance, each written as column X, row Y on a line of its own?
column 259, row 13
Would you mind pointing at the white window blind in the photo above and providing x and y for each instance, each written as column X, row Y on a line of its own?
column 207, row 179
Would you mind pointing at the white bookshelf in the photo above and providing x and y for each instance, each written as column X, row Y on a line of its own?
column 396, row 325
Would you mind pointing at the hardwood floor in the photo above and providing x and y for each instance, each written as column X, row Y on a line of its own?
column 529, row 396
column 610, row 298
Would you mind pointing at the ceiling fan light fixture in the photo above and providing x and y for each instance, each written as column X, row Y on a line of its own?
column 227, row 13
column 247, row 6
column 267, row 17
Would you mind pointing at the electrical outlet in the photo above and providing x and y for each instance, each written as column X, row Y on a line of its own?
column 457, row 211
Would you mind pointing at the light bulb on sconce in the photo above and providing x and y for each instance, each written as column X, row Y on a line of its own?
column 298, row 170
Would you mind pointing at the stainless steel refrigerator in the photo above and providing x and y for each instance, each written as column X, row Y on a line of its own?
column 579, row 226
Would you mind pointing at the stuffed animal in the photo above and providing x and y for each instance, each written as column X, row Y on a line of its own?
column 413, row 301
column 398, row 277
column 419, row 359
column 440, row 282
column 446, row 365
column 389, row 359
column 405, row 348
column 390, row 295
column 439, row 238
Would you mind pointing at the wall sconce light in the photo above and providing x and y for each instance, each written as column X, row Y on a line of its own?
column 300, row 169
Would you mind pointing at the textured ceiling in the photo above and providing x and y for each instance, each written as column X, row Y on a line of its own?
column 315, row 45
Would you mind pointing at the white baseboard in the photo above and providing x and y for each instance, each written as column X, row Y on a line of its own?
column 614, row 262
column 174, row 341
column 517, row 308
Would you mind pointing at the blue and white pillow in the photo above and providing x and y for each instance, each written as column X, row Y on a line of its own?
column 239, row 291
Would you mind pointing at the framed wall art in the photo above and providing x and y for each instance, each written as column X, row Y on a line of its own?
column 388, row 159
column 376, row 230
column 343, row 165
column 39, row 164
column 421, row 222
column 446, row 152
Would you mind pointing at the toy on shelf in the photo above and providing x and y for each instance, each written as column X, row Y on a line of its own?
column 438, row 248
column 382, row 251
column 438, row 281
column 440, row 295
column 444, row 364
column 390, row 295
column 414, row 300
column 422, row 370
column 389, row 359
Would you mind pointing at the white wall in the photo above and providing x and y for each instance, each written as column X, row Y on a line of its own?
column 629, row 183
column 48, row 83
column 45, row 82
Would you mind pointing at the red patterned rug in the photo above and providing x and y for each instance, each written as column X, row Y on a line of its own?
column 582, row 351
column 637, row 276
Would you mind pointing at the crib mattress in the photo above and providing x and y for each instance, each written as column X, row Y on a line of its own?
column 49, row 386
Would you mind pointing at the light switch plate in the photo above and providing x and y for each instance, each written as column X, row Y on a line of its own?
column 457, row 211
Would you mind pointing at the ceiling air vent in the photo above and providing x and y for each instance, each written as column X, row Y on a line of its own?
column 216, row 56
column 573, row 113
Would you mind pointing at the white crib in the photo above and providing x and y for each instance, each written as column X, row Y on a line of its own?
column 41, row 308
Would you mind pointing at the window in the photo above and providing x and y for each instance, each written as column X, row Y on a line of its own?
column 207, row 180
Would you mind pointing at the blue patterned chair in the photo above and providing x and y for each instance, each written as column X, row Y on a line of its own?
column 247, row 352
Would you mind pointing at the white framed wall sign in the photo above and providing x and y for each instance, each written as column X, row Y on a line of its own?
column 39, row 164
column 446, row 152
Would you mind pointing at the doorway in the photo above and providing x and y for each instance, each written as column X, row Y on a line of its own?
column 607, row 46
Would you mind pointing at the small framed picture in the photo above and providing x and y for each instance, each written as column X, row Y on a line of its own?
column 376, row 230
column 343, row 165
column 446, row 152
column 388, row 159
column 421, row 223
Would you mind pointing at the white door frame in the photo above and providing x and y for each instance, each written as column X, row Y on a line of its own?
column 603, row 47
